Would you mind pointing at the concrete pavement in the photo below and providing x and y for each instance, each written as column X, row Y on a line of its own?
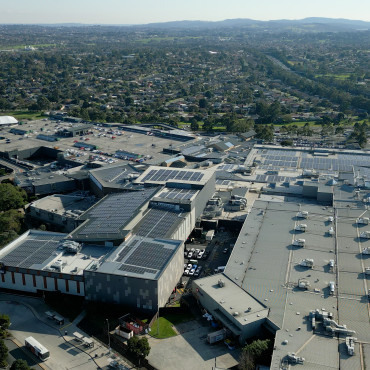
column 28, row 319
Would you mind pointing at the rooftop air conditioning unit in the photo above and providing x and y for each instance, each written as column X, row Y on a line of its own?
column 301, row 227
column 302, row 214
column 299, row 243
column 366, row 250
column 362, row 221
column 58, row 265
column 303, row 284
column 221, row 283
column 365, row 235
column 307, row 262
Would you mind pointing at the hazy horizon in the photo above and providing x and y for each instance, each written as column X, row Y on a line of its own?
column 123, row 12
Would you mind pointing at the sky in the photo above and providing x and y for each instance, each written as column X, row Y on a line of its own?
column 151, row 11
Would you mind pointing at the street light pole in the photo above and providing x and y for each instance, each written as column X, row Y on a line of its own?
column 108, row 334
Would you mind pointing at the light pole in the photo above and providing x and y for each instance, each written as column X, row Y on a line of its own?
column 108, row 334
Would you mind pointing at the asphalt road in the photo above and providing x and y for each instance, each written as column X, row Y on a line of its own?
column 16, row 353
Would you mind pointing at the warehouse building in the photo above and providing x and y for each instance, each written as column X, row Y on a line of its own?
column 7, row 121
column 61, row 211
column 114, row 178
column 141, row 273
column 37, row 261
column 127, row 248
column 307, row 264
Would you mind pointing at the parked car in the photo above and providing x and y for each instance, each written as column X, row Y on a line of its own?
column 226, row 250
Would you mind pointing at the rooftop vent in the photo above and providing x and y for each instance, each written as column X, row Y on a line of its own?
column 221, row 283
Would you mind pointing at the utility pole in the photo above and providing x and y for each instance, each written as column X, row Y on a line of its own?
column 108, row 334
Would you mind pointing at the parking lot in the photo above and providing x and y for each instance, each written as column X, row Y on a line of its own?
column 206, row 257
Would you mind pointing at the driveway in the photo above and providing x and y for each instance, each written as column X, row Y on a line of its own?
column 190, row 350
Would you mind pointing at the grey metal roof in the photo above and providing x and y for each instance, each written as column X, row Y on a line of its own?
column 115, row 176
column 266, row 265
column 108, row 218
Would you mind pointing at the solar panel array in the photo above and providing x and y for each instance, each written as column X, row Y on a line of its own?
column 277, row 159
column 332, row 164
column 151, row 255
column 223, row 182
column 227, row 167
column 178, row 193
column 34, row 250
column 274, row 178
column 280, row 160
column 126, row 250
column 157, row 223
column 164, row 175
column 147, row 257
column 136, row 269
column 110, row 215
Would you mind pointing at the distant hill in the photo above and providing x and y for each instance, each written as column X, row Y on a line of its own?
column 313, row 24
column 308, row 24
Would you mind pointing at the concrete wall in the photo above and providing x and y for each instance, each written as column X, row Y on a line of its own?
column 310, row 191
column 55, row 187
column 249, row 329
column 66, row 224
column 170, row 277
column 138, row 293
column 27, row 282
column 135, row 292
column 204, row 195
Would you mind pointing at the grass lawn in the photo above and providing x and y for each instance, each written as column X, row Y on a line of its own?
column 23, row 115
column 166, row 322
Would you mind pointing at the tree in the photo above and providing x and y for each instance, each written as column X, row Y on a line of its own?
column 11, row 197
column 194, row 126
column 20, row 365
column 138, row 347
column 3, row 353
column 4, row 321
column 246, row 361
column 287, row 142
column 202, row 103
column 255, row 352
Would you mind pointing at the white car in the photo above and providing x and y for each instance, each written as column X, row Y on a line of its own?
column 200, row 254
column 187, row 272
column 191, row 272
column 190, row 254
